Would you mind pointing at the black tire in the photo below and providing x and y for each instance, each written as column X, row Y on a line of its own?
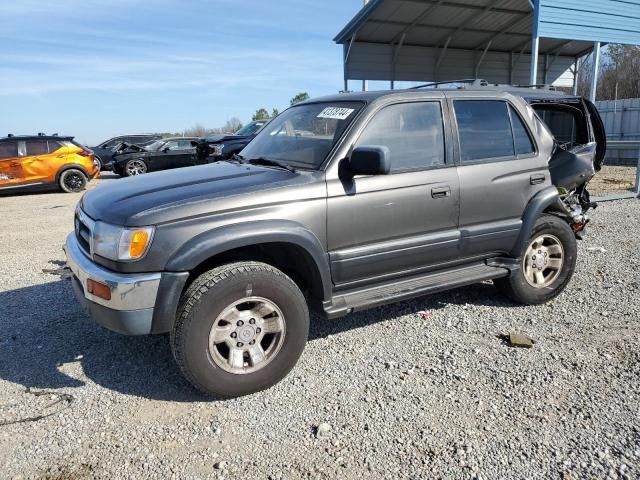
column 207, row 297
column 72, row 180
column 135, row 166
column 517, row 287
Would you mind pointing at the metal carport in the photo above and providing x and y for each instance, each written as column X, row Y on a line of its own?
column 502, row 41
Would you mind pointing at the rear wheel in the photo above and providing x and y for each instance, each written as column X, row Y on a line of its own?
column 72, row 180
column 241, row 328
column 98, row 161
column 548, row 262
column 135, row 166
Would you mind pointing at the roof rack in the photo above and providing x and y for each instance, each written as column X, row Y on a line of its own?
column 41, row 134
column 543, row 86
column 9, row 135
column 476, row 82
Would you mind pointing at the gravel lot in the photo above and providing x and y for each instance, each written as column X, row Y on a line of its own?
column 396, row 393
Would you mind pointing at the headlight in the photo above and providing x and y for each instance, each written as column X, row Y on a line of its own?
column 119, row 243
column 217, row 149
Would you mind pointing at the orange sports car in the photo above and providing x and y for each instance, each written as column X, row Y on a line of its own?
column 36, row 161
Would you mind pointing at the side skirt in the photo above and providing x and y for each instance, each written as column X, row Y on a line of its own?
column 415, row 286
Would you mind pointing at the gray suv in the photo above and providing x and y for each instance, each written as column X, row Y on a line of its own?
column 339, row 204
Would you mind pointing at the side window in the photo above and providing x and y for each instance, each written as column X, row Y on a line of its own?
column 172, row 146
column 53, row 146
column 413, row 132
column 8, row 150
column 523, row 142
column 37, row 147
column 484, row 129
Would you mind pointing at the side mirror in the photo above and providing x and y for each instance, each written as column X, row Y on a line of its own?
column 165, row 150
column 370, row 160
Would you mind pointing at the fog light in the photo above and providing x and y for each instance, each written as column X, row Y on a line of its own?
column 98, row 289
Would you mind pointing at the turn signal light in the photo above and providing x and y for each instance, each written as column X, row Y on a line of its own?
column 138, row 245
column 98, row 289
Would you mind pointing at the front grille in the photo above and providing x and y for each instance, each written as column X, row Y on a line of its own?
column 83, row 229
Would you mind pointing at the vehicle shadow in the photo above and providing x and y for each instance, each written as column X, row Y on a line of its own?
column 43, row 330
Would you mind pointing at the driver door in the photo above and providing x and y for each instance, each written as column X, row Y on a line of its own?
column 382, row 226
column 179, row 153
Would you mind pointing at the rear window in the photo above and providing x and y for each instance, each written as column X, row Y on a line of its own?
column 566, row 122
column 484, row 129
column 8, row 150
column 37, row 147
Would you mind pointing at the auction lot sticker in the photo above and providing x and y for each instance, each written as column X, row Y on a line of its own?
column 338, row 113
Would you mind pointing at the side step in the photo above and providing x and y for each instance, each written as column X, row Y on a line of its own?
column 405, row 288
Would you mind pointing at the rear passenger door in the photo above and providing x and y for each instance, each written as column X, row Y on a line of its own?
column 37, row 164
column 500, row 170
column 381, row 226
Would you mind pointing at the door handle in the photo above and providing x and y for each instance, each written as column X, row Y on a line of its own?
column 441, row 192
column 537, row 178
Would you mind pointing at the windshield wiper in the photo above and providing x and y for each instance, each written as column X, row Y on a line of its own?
column 268, row 162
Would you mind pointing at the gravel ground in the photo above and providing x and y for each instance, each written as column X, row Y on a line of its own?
column 387, row 393
column 613, row 179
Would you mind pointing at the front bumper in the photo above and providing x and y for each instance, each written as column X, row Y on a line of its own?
column 133, row 296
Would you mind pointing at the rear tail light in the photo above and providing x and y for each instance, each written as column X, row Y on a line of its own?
column 85, row 152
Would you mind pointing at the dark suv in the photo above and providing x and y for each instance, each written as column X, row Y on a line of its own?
column 339, row 204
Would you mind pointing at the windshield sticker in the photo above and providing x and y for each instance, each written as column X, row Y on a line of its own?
column 338, row 113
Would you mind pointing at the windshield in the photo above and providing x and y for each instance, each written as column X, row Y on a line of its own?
column 250, row 128
column 155, row 145
column 304, row 134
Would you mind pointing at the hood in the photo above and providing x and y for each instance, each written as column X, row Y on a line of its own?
column 175, row 194
column 226, row 138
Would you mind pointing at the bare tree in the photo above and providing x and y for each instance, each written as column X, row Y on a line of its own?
column 618, row 74
column 233, row 125
column 197, row 130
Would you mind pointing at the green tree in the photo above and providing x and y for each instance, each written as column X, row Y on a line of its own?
column 301, row 97
column 261, row 114
column 274, row 113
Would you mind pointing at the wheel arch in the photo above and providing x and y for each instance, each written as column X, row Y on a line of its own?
column 71, row 166
column 286, row 245
column 545, row 201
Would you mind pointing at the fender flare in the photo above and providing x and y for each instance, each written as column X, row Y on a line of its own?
column 539, row 203
column 219, row 240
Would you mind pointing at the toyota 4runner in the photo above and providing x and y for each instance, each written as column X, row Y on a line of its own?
column 339, row 204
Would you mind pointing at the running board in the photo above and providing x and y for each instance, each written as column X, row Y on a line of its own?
column 373, row 296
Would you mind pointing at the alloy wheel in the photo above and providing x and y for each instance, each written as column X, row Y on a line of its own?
column 247, row 335
column 543, row 261
column 136, row 167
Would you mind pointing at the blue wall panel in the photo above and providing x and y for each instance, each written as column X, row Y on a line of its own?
column 609, row 21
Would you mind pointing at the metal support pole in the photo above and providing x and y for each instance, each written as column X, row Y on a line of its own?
column 365, row 83
column 533, row 79
column 576, row 69
column 638, row 174
column 594, row 76
column 535, row 43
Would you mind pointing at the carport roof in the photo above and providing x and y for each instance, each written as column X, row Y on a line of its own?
column 496, row 25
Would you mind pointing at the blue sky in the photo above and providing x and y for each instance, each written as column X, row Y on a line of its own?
column 98, row 68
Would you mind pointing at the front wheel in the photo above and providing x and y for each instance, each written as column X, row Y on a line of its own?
column 547, row 263
column 135, row 166
column 72, row 181
column 241, row 328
